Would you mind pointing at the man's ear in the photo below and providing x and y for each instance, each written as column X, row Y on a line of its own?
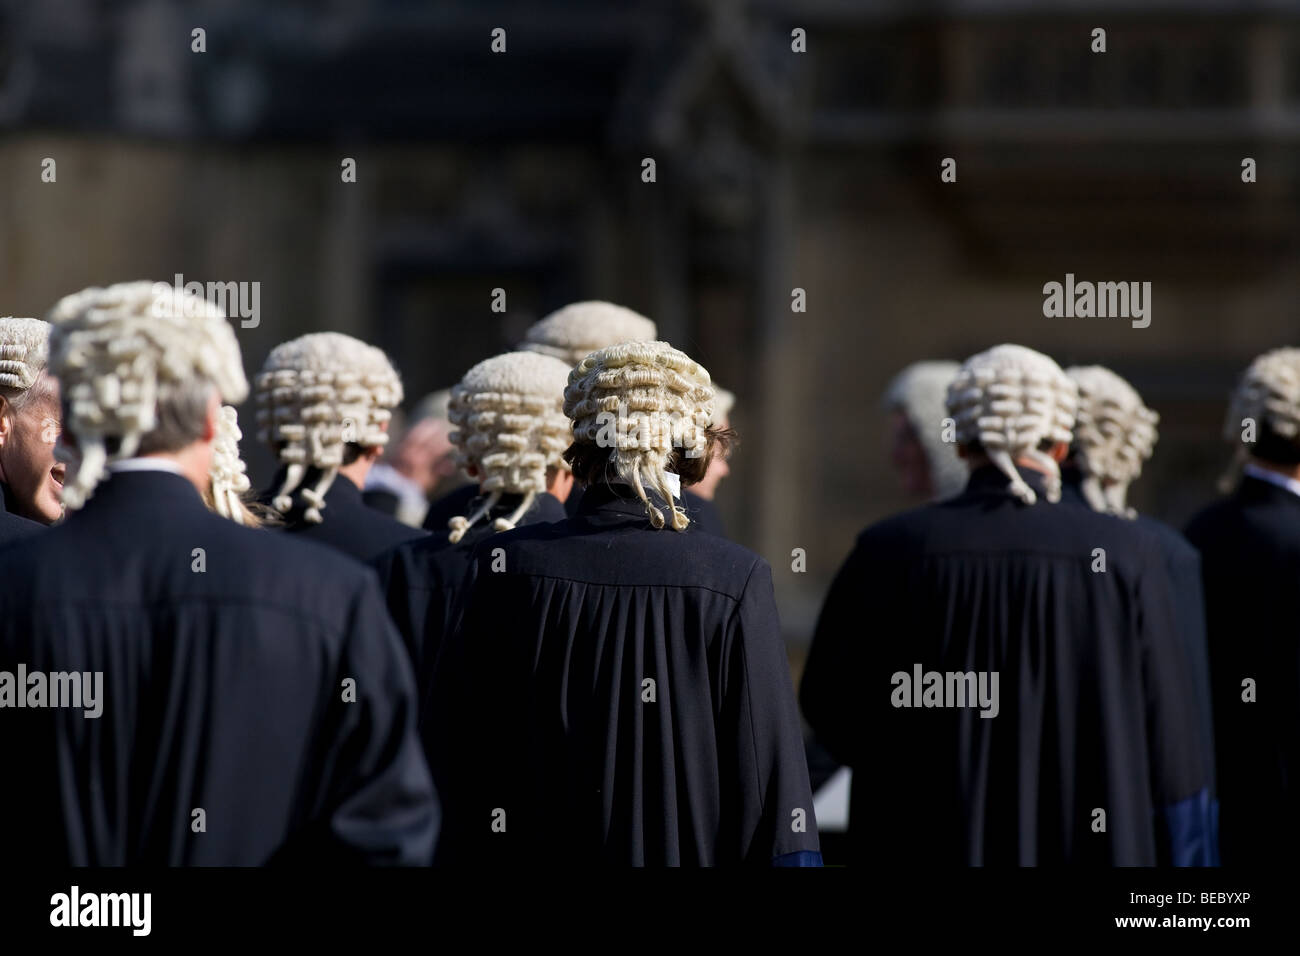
column 372, row 453
column 6, row 420
column 559, row 482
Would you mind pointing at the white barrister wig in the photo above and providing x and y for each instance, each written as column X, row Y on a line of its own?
column 228, row 471
column 24, row 352
column 1114, row 434
column 1010, row 399
column 919, row 392
column 642, row 400
column 433, row 405
column 1268, row 394
column 575, row 331
column 316, row 394
column 112, row 349
column 508, row 412
column 723, row 402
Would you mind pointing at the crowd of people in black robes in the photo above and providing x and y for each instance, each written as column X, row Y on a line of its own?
column 565, row 661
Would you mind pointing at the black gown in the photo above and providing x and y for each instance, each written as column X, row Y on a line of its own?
column 619, row 695
column 1250, row 559
column 385, row 502
column 14, row 527
column 422, row 580
column 222, row 691
column 703, row 513
column 1094, row 698
column 349, row 525
column 1184, row 566
column 458, row 501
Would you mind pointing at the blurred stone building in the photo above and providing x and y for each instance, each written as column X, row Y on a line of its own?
column 774, row 170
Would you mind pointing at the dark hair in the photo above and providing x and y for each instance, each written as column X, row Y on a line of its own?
column 591, row 462
column 977, row 447
column 1274, row 448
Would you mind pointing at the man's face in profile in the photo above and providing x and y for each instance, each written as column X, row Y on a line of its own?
column 27, row 463
column 907, row 454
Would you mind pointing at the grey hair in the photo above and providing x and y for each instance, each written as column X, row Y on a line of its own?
column 18, row 399
column 182, row 415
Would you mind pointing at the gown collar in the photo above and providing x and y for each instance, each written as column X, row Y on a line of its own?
column 988, row 479
column 1273, row 478
column 1072, row 487
column 342, row 494
column 545, row 509
column 1253, row 488
column 150, row 490
column 616, row 499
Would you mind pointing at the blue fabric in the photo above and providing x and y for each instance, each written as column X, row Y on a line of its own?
column 1192, row 828
column 798, row 858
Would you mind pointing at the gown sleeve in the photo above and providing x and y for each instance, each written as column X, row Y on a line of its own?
column 376, row 800
column 394, row 576
column 825, row 693
column 761, row 720
column 414, row 595
column 452, row 729
column 1185, row 575
column 1181, row 784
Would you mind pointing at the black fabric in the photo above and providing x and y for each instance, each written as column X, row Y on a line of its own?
column 421, row 580
column 1250, row 560
column 1095, row 695
column 460, row 501
column 1183, row 563
column 385, row 502
column 222, row 691
column 14, row 527
column 703, row 513
column 348, row 525
column 540, row 708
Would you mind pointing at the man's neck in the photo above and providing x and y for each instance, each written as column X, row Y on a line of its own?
column 981, row 461
column 1286, row 471
column 357, row 471
column 194, row 466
